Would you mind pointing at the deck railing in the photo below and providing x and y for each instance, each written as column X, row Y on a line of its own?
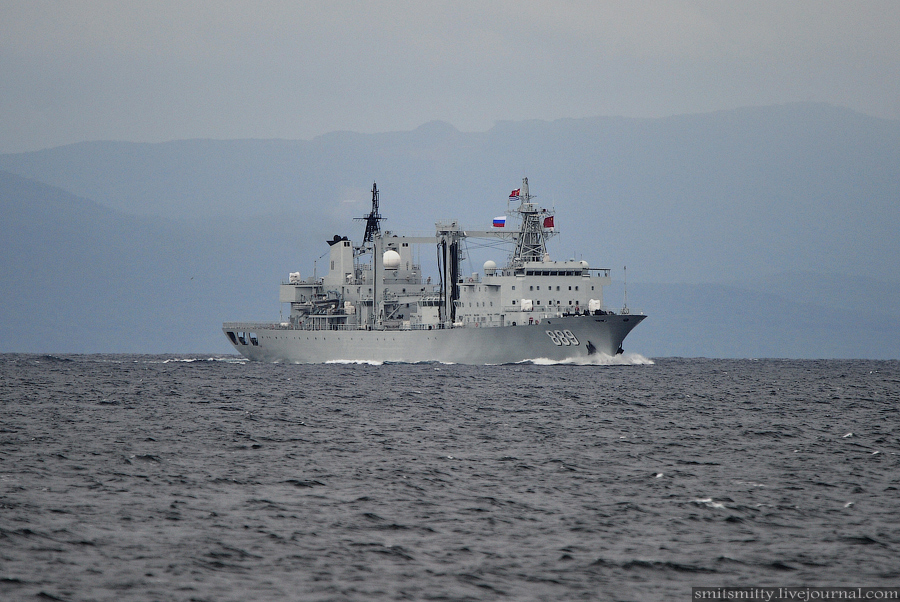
column 314, row 325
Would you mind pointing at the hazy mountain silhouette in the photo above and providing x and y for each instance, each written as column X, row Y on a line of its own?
column 767, row 231
column 79, row 277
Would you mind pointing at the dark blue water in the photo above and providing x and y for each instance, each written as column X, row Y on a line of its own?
column 156, row 478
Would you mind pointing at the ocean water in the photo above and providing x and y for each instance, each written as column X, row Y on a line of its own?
column 194, row 478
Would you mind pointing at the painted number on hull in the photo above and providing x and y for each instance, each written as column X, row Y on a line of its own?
column 562, row 337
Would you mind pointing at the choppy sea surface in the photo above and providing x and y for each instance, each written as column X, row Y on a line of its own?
column 194, row 478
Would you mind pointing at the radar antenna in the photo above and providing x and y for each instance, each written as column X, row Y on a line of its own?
column 373, row 226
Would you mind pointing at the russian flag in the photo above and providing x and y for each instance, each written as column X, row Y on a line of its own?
column 500, row 222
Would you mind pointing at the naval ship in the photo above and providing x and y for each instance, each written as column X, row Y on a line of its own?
column 373, row 305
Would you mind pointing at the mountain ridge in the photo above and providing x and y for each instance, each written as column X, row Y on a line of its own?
column 794, row 201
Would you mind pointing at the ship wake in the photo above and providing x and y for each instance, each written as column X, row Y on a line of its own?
column 357, row 362
column 596, row 359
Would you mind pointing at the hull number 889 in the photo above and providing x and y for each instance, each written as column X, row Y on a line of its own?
column 562, row 337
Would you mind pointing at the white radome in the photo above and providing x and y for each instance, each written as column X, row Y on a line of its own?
column 391, row 260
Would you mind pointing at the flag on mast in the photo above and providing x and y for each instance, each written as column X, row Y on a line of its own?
column 500, row 222
column 514, row 195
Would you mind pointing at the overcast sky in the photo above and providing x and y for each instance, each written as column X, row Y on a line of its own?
column 157, row 70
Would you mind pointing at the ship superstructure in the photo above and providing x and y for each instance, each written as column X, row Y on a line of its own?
column 375, row 305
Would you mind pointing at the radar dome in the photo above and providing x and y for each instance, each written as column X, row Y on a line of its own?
column 489, row 266
column 391, row 260
column 584, row 264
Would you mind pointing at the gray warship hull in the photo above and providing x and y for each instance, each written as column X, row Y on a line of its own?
column 556, row 339
column 373, row 304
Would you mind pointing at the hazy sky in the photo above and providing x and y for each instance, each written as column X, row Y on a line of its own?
column 158, row 70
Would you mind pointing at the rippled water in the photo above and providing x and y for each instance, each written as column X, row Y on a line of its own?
column 160, row 478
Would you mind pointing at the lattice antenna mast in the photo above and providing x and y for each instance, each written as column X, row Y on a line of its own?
column 373, row 220
column 531, row 243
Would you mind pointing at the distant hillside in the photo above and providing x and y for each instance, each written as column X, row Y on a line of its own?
column 83, row 278
column 753, row 233
column 713, row 320
column 79, row 277
column 713, row 197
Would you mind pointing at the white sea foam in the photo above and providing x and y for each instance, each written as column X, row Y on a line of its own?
column 357, row 362
column 381, row 363
column 597, row 359
column 228, row 359
column 709, row 503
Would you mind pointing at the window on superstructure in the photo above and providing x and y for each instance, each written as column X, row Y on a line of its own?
column 576, row 288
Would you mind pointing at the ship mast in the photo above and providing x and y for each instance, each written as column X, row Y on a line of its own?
column 531, row 242
column 372, row 239
column 373, row 220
